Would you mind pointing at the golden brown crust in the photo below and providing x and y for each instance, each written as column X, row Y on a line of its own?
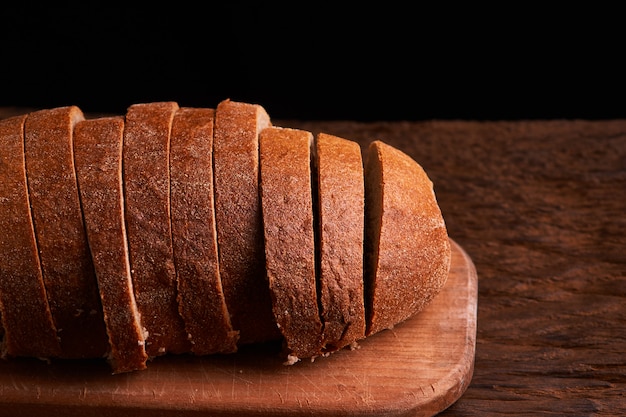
column 408, row 254
column 147, row 199
column 98, row 156
column 66, row 262
column 201, row 298
column 287, row 201
column 238, row 219
column 26, row 318
column 341, row 223
column 204, row 223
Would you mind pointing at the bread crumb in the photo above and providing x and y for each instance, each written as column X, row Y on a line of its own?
column 291, row 359
column 354, row 345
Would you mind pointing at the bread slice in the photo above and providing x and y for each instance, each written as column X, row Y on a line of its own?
column 201, row 298
column 28, row 326
column 340, row 210
column 66, row 263
column 98, row 157
column 288, row 224
column 147, row 199
column 238, row 219
column 407, row 247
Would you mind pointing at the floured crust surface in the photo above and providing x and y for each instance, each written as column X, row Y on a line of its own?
column 408, row 252
column 201, row 298
column 238, row 219
column 287, row 201
column 341, row 199
column 28, row 326
column 66, row 263
column 98, row 156
column 147, row 200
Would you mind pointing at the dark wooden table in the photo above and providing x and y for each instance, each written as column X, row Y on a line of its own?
column 540, row 207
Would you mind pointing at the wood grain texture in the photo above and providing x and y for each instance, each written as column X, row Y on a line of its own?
column 417, row 369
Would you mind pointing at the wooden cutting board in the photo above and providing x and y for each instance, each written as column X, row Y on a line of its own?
column 419, row 368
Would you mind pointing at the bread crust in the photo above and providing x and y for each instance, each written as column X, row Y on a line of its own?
column 408, row 251
column 98, row 156
column 147, row 207
column 287, row 201
column 238, row 219
column 29, row 329
column 201, row 298
column 341, row 195
column 198, row 230
column 66, row 263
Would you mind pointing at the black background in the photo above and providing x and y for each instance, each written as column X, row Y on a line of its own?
column 381, row 62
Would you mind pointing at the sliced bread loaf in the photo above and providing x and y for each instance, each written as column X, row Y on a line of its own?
column 28, row 326
column 98, row 157
column 340, row 210
column 200, row 295
column 205, row 229
column 238, row 219
column 66, row 263
column 407, row 247
column 288, row 225
column 147, row 199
